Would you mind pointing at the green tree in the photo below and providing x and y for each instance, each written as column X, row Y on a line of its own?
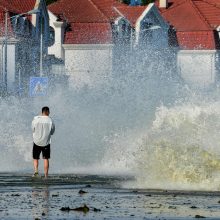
column 50, row 1
column 143, row 2
column 125, row 1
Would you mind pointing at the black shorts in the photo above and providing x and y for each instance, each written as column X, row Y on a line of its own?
column 38, row 149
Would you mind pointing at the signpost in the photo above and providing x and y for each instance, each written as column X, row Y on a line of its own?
column 38, row 86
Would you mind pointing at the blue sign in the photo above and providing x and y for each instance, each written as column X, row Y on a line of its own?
column 38, row 86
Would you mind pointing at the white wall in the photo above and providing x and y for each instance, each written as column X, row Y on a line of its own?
column 57, row 49
column 1, row 64
column 87, row 64
column 158, row 29
column 197, row 67
column 11, row 65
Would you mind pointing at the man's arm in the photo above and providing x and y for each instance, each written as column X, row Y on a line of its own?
column 52, row 128
column 33, row 126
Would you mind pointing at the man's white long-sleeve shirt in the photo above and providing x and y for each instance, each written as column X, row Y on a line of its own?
column 42, row 128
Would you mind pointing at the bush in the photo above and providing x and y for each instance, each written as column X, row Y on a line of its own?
column 50, row 1
column 143, row 2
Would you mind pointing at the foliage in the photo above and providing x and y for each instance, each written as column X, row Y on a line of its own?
column 125, row 1
column 143, row 2
column 50, row 1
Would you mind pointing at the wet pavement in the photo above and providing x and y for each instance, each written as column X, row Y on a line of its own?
column 98, row 197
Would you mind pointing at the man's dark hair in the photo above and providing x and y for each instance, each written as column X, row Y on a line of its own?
column 45, row 109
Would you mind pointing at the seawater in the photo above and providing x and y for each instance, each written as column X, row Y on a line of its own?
column 142, row 122
column 182, row 148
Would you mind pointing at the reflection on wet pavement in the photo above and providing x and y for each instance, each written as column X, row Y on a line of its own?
column 103, row 198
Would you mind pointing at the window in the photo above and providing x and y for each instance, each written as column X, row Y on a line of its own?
column 51, row 36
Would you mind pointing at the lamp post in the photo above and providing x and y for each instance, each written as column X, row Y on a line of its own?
column 41, row 46
column 35, row 11
column 5, row 52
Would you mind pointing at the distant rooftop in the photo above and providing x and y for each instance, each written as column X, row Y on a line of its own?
column 90, row 20
column 195, row 22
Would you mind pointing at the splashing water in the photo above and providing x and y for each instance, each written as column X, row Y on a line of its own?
column 182, row 149
column 118, row 125
column 90, row 119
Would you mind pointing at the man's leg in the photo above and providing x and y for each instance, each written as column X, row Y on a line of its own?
column 46, row 167
column 46, row 157
column 36, row 156
column 36, row 166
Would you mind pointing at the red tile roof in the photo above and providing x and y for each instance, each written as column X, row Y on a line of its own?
column 2, row 22
column 110, row 9
column 185, row 17
column 2, row 25
column 194, row 21
column 131, row 13
column 213, row 2
column 13, row 7
column 78, row 11
column 107, row 8
column 18, row 6
column 22, row 6
column 196, row 40
column 91, row 18
column 7, row 7
column 88, row 33
column 88, row 25
column 210, row 11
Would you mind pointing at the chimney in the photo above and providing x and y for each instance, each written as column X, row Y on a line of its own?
column 163, row 3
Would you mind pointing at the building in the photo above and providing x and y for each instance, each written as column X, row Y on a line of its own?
column 91, row 35
column 82, row 38
column 21, row 25
column 195, row 33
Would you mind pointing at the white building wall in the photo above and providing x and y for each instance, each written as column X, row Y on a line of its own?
column 87, row 64
column 11, row 67
column 160, row 38
column 158, row 28
column 197, row 67
column 1, row 63
column 57, row 49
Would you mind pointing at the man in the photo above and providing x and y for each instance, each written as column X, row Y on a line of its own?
column 42, row 128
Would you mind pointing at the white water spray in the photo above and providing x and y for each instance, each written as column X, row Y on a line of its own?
column 117, row 125
column 182, row 149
